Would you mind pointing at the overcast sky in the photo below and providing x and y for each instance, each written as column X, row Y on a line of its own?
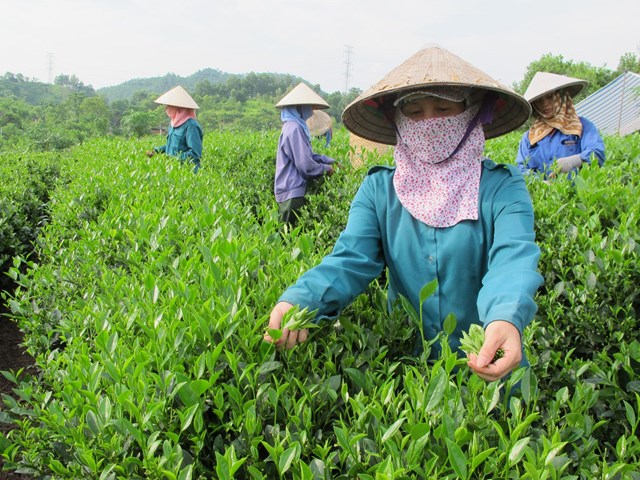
column 106, row 42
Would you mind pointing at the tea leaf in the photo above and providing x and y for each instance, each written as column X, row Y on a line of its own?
column 391, row 431
column 457, row 459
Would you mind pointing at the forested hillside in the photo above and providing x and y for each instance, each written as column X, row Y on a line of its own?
column 35, row 116
column 126, row 90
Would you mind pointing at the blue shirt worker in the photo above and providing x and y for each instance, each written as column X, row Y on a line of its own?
column 184, row 139
column 444, row 212
column 296, row 163
column 559, row 139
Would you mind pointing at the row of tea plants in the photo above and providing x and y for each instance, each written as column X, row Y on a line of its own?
column 149, row 289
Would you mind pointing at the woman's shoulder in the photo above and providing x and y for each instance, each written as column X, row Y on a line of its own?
column 378, row 177
column 491, row 168
column 292, row 129
column 191, row 122
column 381, row 170
column 587, row 123
column 290, row 125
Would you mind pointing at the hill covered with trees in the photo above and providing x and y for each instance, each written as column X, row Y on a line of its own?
column 40, row 116
column 126, row 90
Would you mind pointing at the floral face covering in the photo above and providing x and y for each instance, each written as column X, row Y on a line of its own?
column 438, row 190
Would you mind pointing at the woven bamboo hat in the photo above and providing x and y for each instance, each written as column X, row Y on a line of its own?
column 545, row 82
column 371, row 114
column 319, row 123
column 177, row 97
column 302, row 95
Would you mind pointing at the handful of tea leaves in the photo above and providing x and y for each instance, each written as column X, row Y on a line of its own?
column 472, row 342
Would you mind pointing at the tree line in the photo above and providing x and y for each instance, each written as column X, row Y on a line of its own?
column 40, row 116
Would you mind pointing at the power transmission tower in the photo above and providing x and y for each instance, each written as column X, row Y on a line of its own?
column 50, row 56
column 347, row 69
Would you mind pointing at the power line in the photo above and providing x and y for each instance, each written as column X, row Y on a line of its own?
column 347, row 69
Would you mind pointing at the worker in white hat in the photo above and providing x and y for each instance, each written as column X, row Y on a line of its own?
column 184, row 139
column 296, row 163
column 559, row 139
column 444, row 216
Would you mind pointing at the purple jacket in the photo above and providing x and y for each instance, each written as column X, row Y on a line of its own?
column 296, row 163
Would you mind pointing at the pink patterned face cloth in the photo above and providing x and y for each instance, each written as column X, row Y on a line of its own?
column 179, row 115
column 437, row 188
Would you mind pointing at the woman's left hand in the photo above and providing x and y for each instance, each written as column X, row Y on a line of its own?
column 498, row 335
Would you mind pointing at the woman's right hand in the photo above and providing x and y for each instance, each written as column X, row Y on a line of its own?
column 289, row 338
column 567, row 164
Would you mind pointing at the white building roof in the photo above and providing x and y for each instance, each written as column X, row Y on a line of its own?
column 615, row 108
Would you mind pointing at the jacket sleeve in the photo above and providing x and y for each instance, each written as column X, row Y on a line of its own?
column 323, row 159
column 509, row 286
column 591, row 143
column 524, row 153
column 356, row 260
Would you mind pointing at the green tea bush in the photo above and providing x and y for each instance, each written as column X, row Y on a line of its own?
column 589, row 230
column 146, row 306
column 27, row 182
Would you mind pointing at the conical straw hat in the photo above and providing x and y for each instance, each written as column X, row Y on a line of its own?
column 302, row 95
column 319, row 123
column 433, row 66
column 177, row 97
column 545, row 82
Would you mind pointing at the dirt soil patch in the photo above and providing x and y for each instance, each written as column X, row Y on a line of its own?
column 12, row 358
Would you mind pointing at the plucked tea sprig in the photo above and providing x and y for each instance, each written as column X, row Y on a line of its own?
column 472, row 341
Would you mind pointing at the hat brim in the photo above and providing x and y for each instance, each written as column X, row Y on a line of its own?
column 573, row 89
column 544, row 83
column 369, row 122
column 431, row 67
column 177, row 97
column 319, row 123
column 302, row 94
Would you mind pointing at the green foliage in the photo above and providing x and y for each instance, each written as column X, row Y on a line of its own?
column 31, row 91
column 589, row 231
column 72, row 113
column 629, row 62
column 138, row 124
column 147, row 303
column 74, row 84
column 28, row 181
column 158, row 85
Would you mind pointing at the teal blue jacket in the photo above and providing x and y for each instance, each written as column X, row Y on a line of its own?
column 486, row 268
column 184, row 142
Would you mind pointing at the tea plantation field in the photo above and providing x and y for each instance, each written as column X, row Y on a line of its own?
column 144, row 290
